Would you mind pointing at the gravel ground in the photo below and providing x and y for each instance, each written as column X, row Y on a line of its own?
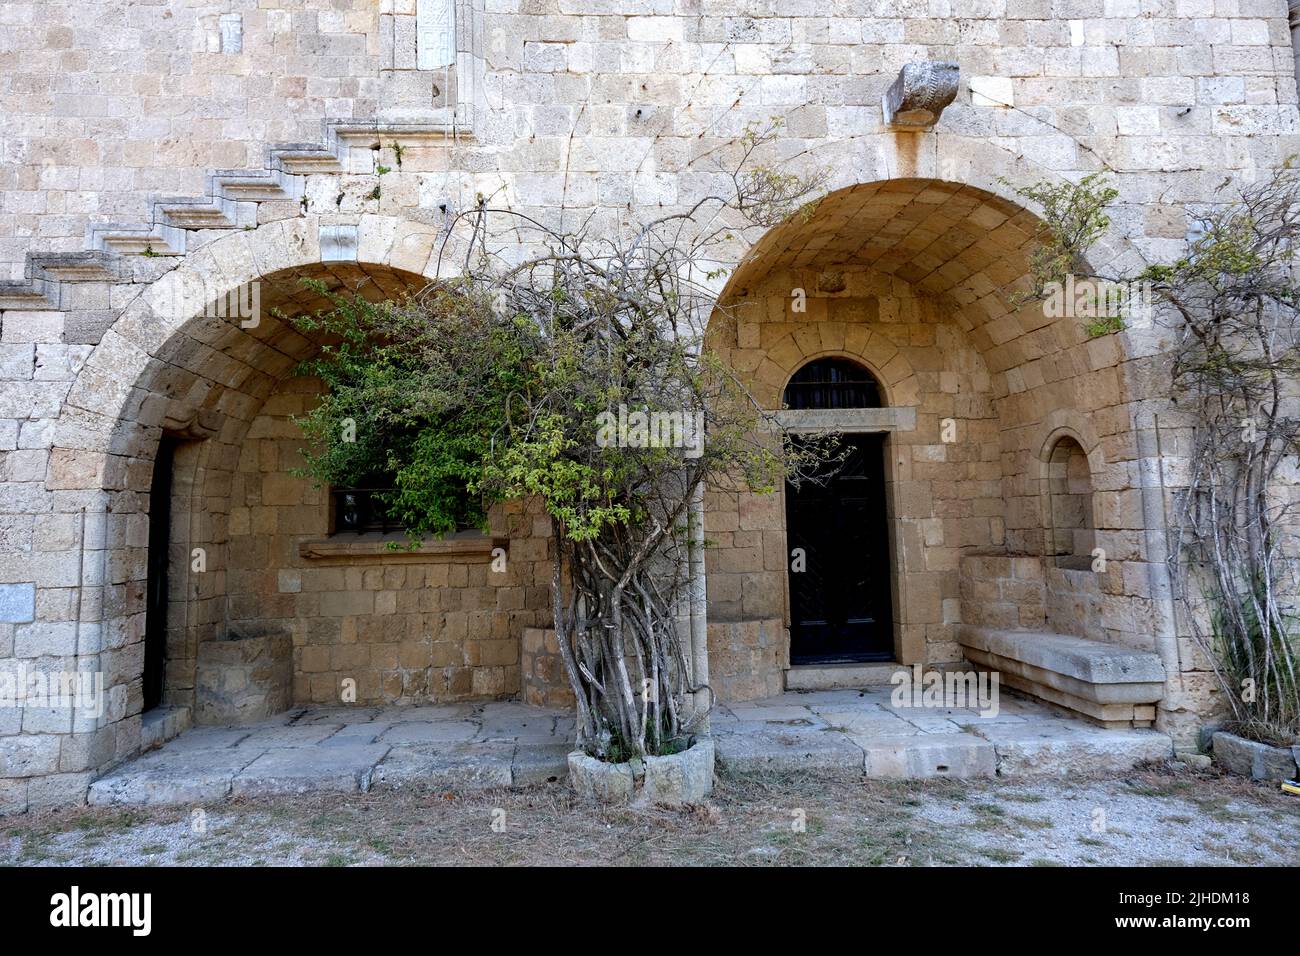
column 1155, row 816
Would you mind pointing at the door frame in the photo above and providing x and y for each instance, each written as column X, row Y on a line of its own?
column 159, row 573
column 888, row 420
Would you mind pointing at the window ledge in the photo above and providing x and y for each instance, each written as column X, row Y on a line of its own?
column 461, row 546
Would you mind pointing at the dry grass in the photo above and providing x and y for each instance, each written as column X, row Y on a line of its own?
column 1153, row 816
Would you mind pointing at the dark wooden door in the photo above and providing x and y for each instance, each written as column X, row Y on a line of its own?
column 840, row 607
column 155, row 618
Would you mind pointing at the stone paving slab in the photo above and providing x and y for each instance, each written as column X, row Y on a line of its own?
column 750, row 750
column 862, row 730
column 548, row 763
column 310, row 769
column 428, row 732
column 467, row 766
column 192, row 776
column 507, row 743
column 205, row 738
column 308, row 735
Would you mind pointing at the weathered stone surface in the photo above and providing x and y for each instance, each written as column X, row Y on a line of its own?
column 677, row 779
column 1249, row 758
column 959, row 755
column 13, row 796
column 787, row 750
column 1062, row 750
column 29, row 755
column 206, row 738
column 17, row 603
column 539, row 763
column 599, row 782
column 919, row 94
column 244, row 678
column 164, row 778
column 303, row 770
column 472, row 766
column 426, row 732
column 1084, row 660
column 161, row 724
column 276, row 738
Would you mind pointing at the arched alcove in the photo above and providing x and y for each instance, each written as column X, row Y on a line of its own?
column 1071, row 531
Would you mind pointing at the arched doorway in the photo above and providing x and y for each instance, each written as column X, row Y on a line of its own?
column 837, row 530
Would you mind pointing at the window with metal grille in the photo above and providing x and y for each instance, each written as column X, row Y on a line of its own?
column 832, row 383
column 361, row 508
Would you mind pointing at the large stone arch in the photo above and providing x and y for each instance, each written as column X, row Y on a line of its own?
column 171, row 364
column 929, row 275
column 97, row 400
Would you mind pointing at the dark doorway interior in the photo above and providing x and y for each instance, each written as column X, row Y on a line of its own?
column 155, row 626
column 840, row 607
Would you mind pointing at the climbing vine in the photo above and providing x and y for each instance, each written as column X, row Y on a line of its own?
column 1232, row 304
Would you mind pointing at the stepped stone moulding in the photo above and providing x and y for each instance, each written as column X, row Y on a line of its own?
column 919, row 94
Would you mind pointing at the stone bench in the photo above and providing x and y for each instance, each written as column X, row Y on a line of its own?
column 1113, row 685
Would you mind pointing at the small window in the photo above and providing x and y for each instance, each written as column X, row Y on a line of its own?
column 832, row 383
column 1072, row 536
column 360, row 509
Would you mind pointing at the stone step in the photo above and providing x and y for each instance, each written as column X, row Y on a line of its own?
column 161, row 724
column 305, row 159
column 838, row 676
column 267, row 185
column 231, row 196
column 214, row 212
column 133, row 239
column 25, row 295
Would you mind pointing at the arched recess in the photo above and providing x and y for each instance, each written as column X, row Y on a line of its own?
column 1071, row 521
column 924, row 281
column 186, row 363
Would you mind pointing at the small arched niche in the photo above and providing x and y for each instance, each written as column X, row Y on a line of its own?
column 1071, row 531
column 832, row 383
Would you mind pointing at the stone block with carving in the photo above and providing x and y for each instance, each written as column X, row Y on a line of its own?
column 919, row 94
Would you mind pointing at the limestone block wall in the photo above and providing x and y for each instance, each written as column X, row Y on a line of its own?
column 621, row 110
column 244, row 677
column 1002, row 591
column 109, row 102
column 748, row 659
column 403, row 627
column 942, row 497
column 543, row 682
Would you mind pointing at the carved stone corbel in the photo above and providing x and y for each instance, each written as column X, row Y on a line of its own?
column 916, row 98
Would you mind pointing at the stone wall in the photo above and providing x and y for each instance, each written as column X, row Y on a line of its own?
column 1003, row 591
column 245, row 677
column 543, row 680
column 433, row 624
column 942, row 497
column 619, row 110
column 748, row 659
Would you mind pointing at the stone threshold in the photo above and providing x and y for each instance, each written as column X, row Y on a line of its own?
column 462, row 546
column 161, row 724
column 839, row 676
